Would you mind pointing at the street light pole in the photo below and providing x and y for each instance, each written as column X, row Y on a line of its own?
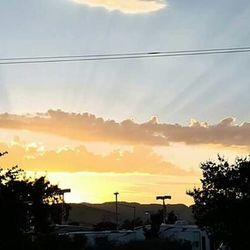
column 134, row 217
column 134, row 212
column 116, row 209
column 163, row 198
column 61, row 192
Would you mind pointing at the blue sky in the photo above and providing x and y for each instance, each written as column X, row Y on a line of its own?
column 174, row 89
column 126, row 156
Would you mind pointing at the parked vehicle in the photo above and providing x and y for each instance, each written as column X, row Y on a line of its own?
column 184, row 232
column 121, row 237
column 179, row 231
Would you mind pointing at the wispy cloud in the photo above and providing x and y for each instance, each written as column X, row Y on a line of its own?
column 126, row 6
column 87, row 127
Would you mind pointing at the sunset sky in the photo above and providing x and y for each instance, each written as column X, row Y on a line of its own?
column 140, row 127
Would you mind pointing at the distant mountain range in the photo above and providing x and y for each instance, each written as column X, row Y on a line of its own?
column 89, row 214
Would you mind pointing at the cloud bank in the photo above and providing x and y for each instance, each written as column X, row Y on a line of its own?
column 126, row 6
column 87, row 127
column 141, row 159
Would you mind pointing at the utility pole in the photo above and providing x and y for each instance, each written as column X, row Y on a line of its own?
column 116, row 209
column 61, row 193
column 134, row 217
column 134, row 212
column 163, row 198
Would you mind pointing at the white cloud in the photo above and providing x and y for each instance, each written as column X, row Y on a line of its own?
column 126, row 6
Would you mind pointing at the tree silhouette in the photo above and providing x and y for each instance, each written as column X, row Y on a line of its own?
column 171, row 218
column 26, row 205
column 156, row 221
column 105, row 225
column 222, row 203
column 130, row 224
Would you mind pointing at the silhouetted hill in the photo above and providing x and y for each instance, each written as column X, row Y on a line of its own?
column 88, row 213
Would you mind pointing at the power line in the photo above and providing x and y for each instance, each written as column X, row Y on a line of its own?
column 124, row 54
column 121, row 56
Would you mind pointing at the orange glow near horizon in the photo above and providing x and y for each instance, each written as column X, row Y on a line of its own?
column 94, row 171
column 142, row 188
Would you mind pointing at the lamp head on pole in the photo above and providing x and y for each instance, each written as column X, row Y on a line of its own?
column 164, row 197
